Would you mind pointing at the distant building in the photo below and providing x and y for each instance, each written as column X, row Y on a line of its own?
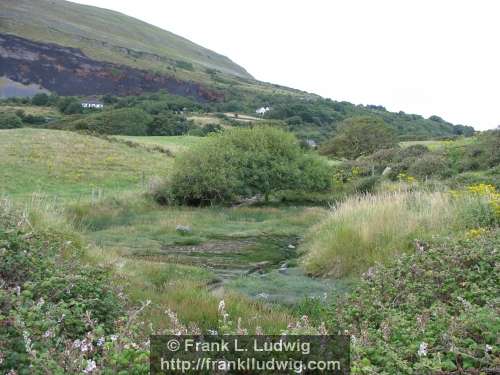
column 262, row 110
column 92, row 103
column 311, row 143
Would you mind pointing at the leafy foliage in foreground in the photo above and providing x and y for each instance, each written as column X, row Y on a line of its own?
column 427, row 312
column 57, row 315
column 242, row 163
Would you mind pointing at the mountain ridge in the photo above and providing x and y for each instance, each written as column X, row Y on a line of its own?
column 108, row 35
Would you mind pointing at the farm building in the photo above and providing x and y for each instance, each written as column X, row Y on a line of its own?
column 92, row 103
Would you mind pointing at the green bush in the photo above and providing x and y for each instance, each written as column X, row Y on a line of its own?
column 69, row 105
column 169, row 124
column 242, row 163
column 48, row 297
column 359, row 136
column 426, row 313
column 366, row 184
column 117, row 122
column 10, row 121
column 40, row 99
column 430, row 165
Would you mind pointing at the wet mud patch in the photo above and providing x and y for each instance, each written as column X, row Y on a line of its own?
column 230, row 257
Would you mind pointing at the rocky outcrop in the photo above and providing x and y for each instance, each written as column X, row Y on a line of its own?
column 68, row 71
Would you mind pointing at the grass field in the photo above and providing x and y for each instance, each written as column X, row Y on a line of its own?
column 67, row 165
column 174, row 144
column 434, row 145
column 31, row 110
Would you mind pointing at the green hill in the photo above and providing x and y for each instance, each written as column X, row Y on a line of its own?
column 107, row 35
column 77, row 50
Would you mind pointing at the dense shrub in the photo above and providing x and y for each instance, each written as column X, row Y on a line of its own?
column 69, row 105
column 40, row 99
column 169, row 124
column 244, row 163
column 430, row 165
column 10, row 121
column 482, row 154
column 48, row 297
column 366, row 184
column 359, row 136
column 430, row 312
column 118, row 121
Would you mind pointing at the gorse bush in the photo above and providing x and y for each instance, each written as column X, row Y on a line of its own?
column 364, row 230
column 242, row 163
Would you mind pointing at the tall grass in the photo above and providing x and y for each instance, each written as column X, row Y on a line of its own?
column 367, row 229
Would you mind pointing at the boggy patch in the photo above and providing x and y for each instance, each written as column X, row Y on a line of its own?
column 228, row 257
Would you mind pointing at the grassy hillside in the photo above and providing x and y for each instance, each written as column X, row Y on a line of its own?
column 108, row 35
column 70, row 165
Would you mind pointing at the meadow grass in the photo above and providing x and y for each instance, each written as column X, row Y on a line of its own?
column 71, row 166
column 178, row 287
column 435, row 145
column 367, row 229
column 132, row 234
column 175, row 144
column 31, row 110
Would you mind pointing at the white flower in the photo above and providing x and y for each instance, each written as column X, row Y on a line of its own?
column 488, row 348
column 86, row 346
column 222, row 306
column 91, row 366
column 48, row 334
column 422, row 350
column 101, row 341
column 27, row 341
column 113, row 337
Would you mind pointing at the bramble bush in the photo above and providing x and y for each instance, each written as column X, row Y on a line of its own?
column 430, row 312
column 57, row 314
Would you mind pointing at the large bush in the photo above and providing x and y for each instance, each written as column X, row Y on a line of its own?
column 359, row 136
column 10, row 121
column 242, row 163
column 169, row 123
column 118, row 121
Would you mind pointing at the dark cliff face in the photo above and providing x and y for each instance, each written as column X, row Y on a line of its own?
column 67, row 71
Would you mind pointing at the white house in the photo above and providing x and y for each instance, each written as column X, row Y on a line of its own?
column 311, row 143
column 262, row 110
column 92, row 103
